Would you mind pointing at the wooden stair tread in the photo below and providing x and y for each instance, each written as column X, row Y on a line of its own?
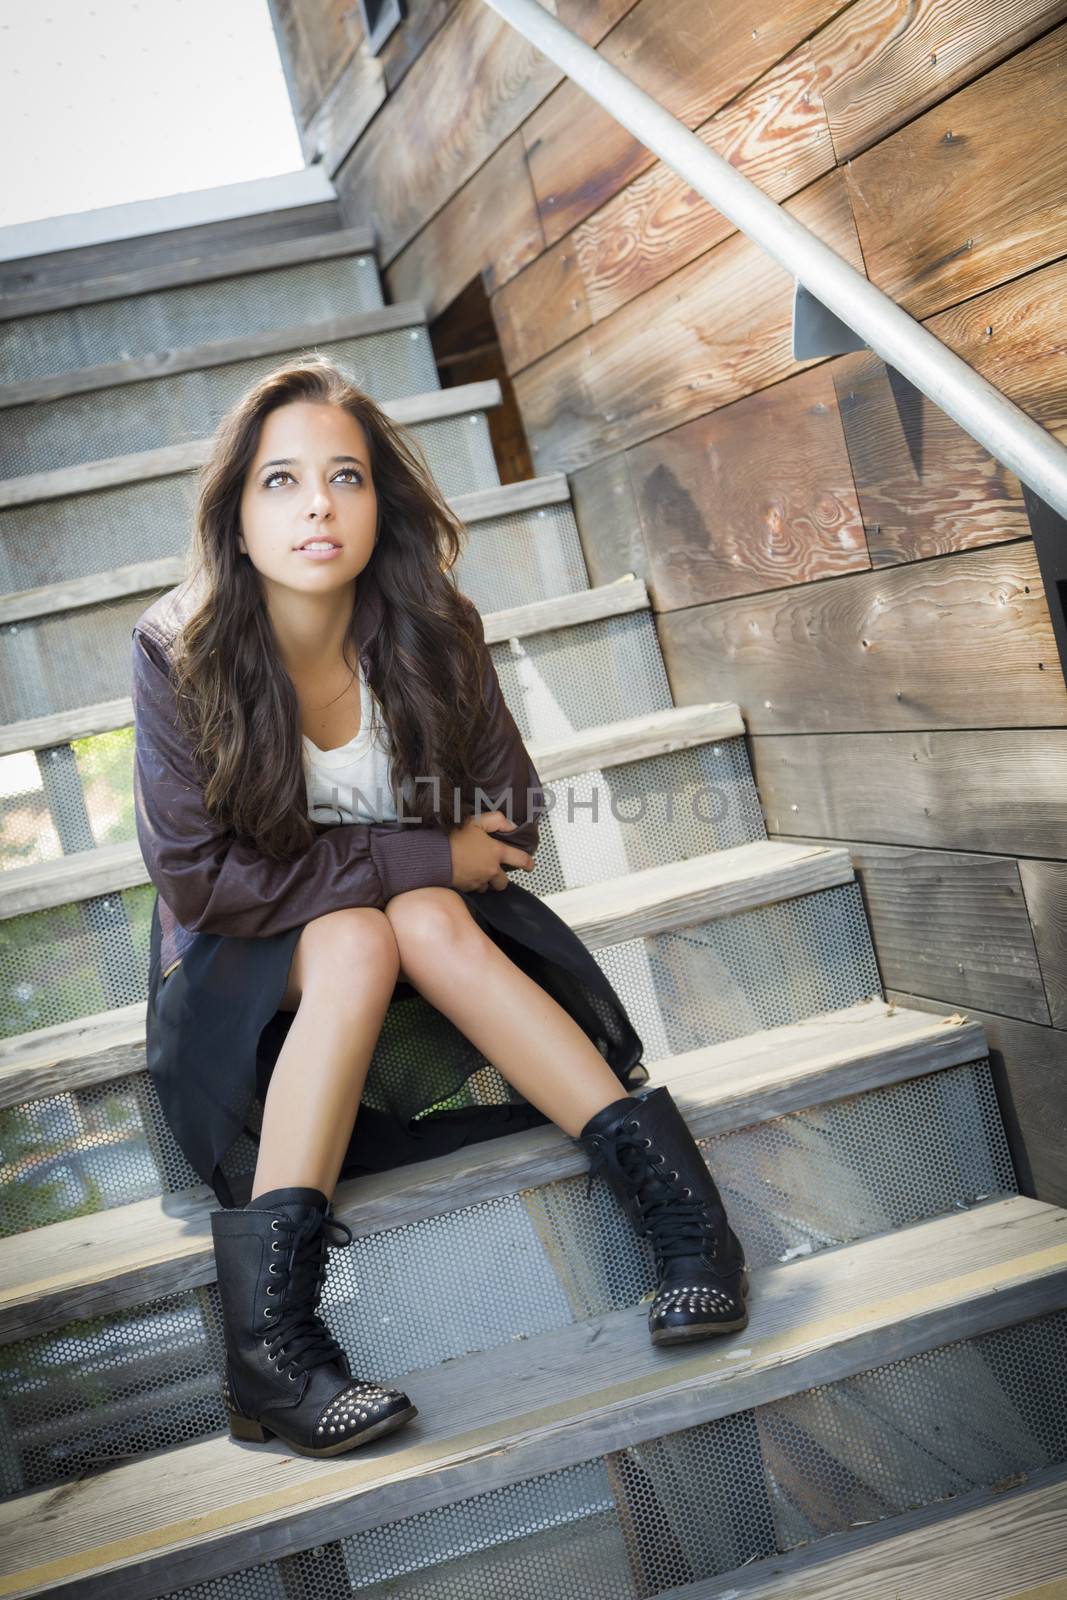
column 181, row 273
column 650, row 900
column 211, row 353
column 124, row 1256
column 554, row 1400
column 140, row 577
column 164, row 460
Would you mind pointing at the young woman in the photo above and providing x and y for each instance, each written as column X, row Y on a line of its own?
column 318, row 726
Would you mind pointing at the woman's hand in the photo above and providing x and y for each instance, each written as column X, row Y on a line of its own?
column 477, row 860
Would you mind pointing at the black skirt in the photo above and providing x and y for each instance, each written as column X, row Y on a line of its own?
column 214, row 1032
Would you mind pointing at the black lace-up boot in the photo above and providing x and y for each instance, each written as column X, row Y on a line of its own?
column 653, row 1165
column 285, row 1372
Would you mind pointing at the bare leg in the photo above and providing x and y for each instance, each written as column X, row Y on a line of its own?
column 536, row 1045
column 341, row 980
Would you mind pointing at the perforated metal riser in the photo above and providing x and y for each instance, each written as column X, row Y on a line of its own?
column 526, row 556
column 52, row 541
column 74, row 536
column 602, row 824
column 172, row 319
column 566, row 679
column 75, row 658
column 862, row 1165
column 714, row 981
column 189, row 405
column 716, row 1497
column 626, row 814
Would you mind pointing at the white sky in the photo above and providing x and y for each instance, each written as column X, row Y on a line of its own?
column 115, row 100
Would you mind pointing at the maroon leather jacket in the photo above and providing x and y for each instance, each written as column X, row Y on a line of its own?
column 209, row 882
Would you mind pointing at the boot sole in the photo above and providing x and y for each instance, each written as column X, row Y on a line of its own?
column 251, row 1431
column 683, row 1333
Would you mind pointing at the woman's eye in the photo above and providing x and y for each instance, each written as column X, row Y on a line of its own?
column 282, row 472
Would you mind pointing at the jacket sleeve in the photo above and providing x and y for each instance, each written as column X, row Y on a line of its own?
column 215, row 884
column 510, row 776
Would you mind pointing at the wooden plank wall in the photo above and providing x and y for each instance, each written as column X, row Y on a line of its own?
column 820, row 543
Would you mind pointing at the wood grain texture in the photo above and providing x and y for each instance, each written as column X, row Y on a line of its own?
column 757, row 495
column 1031, row 1083
column 489, row 228
column 691, row 56
column 121, row 1257
column 305, row 87
column 961, row 641
column 333, row 33
column 609, row 523
column 717, row 330
column 651, row 900
column 566, row 611
column 972, row 192
column 950, row 925
column 1016, row 336
column 925, row 487
column 1000, row 789
column 468, row 91
column 345, row 110
column 422, row 19
column 886, row 61
column 720, row 884
column 775, row 133
column 1045, row 887
column 40, row 733
column 187, row 1514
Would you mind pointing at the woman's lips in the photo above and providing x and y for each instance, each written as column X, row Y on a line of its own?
column 319, row 555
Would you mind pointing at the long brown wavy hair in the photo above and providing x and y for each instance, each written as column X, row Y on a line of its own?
column 234, row 695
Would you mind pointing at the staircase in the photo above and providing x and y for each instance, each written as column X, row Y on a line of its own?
column 893, row 1420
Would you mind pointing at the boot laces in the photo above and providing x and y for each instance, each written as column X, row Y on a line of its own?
column 676, row 1225
column 296, row 1329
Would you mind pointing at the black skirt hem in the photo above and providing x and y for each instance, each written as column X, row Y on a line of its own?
column 214, row 1032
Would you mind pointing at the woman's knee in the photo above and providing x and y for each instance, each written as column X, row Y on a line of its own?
column 341, row 945
column 428, row 919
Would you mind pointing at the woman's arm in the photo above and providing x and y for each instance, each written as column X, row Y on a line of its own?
column 505, row 761
column 213, row 883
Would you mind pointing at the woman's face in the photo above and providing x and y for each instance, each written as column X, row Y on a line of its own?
column 309, row 482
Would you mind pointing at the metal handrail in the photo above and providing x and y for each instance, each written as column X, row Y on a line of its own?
column 1005, row 430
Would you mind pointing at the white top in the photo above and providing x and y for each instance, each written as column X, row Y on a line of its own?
column 351, row 783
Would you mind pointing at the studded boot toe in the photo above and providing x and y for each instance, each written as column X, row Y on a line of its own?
column 654, row 1166
column 285, row 1372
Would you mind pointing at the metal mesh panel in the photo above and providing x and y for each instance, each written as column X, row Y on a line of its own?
column 609, row 822
column 70, row 797
column 527, row 556
column 570, row 678
column 758, row 969
column 74, row 960
column 68, row 659
column 701, row 985
column 708, row 1500
column 172, row 319
column 189, row 405
column 646, row 813
column 459, row 453
column 603, row 824
column 52, row 541
column 846, row 1170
